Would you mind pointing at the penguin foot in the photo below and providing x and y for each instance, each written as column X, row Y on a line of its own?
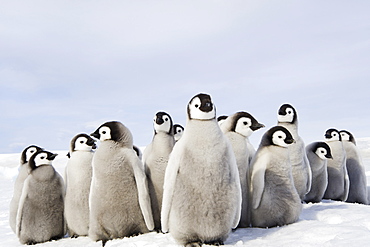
column 193, row 244
column 216, row 242
column 103, row 242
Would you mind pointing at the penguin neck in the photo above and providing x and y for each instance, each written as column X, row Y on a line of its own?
column 164, row 141
column 292, row 127
column 43, row 173
column 204, row 130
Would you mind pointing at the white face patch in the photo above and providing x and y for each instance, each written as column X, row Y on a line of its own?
column 345, row 136
column 288, row 117
column 196, row 113
column 104, row 133
column 81, row 144
column 321, row 152
column 30, row 152
column 334, row 137
column 42, row 159
column 243, row 126
column 178, row 133
column 278, row 138
column 165, row 126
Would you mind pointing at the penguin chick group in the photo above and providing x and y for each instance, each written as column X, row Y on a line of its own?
column 196, row 182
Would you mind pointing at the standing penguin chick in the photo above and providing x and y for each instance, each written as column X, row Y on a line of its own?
column 202, row 195
column 155, row 159
column 40, row 214
column 355, row 168
column 119, row 199
column 78, row 173
column 317, row 154
column 24, row 170
column 237, row 128
column 274, row 199
column 338, row 181
column 178, row 130
column 288, row 118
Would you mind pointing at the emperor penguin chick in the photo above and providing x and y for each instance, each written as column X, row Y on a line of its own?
column 40, row 213
column 338, row 181
column 288, row 118
column 178, row 130
column 317, row 154
column 237, row 128
column 155, row 159
column 78, row 173
column 355, row 168
column 274, row 199
column 24, row 170
column 119, row 198
column 202, row 195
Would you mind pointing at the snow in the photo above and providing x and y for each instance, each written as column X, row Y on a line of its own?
column 328, row 223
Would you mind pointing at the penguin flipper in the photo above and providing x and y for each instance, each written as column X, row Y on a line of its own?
column 309, row 173
column 142, row 188
column 22, row 201
column 168, row 186
column 259, row 164
column 346, row 183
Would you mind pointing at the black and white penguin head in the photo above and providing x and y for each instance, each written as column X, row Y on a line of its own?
column 201, row 107
column 322, row 150
column 163, row 123
column 347, row 136
column 41, row 158
column 28, row 152
column 332, row 135
column 178, row 130
column 277, row 136
column 114, row 131
column 287, row 114
column 82, row 142
column 245, row 124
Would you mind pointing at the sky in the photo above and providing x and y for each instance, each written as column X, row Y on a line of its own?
column 66, row 67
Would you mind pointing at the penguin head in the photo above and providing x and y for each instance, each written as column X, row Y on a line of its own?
column 332, row 135
column 163, row 123
column 322, row 150
column 244, row 124
column 347, row 136
column 82, row 142
column 201, row 107
column 28, row 152
column 41, row 158
column 277, row 136
column 178, row 130
column 287, row 114
column 114, row 131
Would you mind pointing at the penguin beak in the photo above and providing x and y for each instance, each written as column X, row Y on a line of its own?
column 159, row 121
column 328, row 156
column 289, row 141
column 257, row 126
column 95, row 135
column 52, row 157
column 206, row 107
column 327, row 136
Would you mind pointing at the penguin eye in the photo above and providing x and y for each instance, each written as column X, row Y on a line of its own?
column 280, row 137
column 196, row 105
column 81, row 142
column 245, row 123
column 32, row 151
column 322, row 151
column 166, row 119
column 42, row 157
column 103, row 132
